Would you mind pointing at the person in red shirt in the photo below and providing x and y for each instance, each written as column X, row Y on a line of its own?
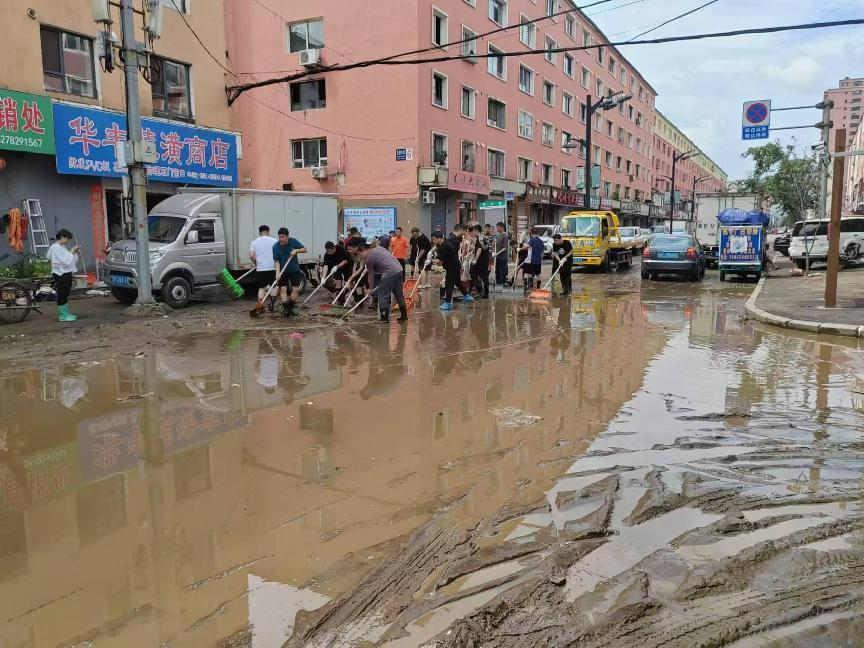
column 399, row 246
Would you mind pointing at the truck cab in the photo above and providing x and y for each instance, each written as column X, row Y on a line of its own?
column 596, row 239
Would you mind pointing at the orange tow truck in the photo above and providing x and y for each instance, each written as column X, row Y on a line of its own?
column 596, row 240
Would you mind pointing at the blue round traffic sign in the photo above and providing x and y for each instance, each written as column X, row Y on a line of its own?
column 757, row 113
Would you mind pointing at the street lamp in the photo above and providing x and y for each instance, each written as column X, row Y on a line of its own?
column 676, row 158
column 591, row 107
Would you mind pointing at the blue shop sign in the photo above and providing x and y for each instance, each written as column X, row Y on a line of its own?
column 87, row 141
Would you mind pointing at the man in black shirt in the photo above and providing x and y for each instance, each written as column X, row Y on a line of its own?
column 336, row 255
column 455, row 238
column 421, row 246
column 482, row 260
column 562, row 252
column 448, row 257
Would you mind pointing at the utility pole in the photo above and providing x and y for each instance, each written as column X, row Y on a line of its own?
column 696, row 181
column 676, row 158
column 590, row 108
column 834, row 225
column 133, row 56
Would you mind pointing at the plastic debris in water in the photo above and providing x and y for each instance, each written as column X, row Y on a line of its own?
column 296, row 335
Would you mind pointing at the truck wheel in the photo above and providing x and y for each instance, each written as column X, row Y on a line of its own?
column 176, row 292
column 758, row 276
column 722, row 276
column 124, row 295
column 604, row 265
column 646, row 275
column 801, row 264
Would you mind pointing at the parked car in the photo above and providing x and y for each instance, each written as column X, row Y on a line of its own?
column 815, row 233
column 782, row 243
column 633, row 235
column 546, row 232
column 673, row 254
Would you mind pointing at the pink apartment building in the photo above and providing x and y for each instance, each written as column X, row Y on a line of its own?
column 435, row 141
column 847, row 109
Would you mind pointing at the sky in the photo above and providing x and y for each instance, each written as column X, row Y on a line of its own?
column 702, row 85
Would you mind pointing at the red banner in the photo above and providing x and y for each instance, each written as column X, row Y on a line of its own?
column 97, row 221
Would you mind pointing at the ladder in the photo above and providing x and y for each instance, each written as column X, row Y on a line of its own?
column 38, row 234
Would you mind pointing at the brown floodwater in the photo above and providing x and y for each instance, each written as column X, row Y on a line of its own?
column 205, row 497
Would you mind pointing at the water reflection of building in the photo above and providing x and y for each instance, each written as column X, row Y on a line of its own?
column 202, row 474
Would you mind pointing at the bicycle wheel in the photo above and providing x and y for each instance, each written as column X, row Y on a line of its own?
column 15, row 302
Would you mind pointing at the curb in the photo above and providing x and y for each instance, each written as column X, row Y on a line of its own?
column 760, row 315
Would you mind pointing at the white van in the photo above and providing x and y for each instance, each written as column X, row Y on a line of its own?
column 815, row 233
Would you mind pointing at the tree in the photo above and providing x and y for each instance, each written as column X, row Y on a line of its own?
column 784, row 177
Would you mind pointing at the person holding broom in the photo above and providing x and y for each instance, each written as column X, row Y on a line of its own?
column 380, row 263
column 285, row 256
column 448, row 257
column 63, row 264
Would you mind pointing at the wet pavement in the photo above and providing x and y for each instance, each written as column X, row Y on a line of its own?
column 638, row 466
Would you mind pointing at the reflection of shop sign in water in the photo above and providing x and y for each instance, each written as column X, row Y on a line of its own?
column 109, row 444
column 371, row 221
column 185, row 427
column 38, row 477
column 87, row 140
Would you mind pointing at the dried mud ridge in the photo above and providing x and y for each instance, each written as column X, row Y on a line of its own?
column 742, row 562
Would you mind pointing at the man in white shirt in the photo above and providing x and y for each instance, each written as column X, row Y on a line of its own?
column 261, row 252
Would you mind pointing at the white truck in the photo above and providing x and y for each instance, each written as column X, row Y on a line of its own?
column 196, row 233
column 708, row 205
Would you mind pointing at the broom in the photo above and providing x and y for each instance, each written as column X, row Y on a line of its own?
column 231, row 285
column 337, row 309
column 544, row 293
column 259, row 307
column 320, row 285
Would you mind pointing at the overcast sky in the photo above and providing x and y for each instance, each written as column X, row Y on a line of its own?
column 702, row 85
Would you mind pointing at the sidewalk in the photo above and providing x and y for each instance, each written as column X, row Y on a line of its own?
column 798, row 302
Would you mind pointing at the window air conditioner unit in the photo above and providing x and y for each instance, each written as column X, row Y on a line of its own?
column 428, row 198
column 310, row 57
column 319, row 173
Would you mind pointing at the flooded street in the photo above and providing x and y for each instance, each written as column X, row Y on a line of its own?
column 643, row 468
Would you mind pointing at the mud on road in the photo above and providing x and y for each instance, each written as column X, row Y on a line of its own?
column 640, row 466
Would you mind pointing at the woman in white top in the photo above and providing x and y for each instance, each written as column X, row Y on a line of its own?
column 63, row 263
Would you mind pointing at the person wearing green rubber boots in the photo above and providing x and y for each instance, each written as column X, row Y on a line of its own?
column 63, row 263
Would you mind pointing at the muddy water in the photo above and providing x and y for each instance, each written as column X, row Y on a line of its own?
column 229, row 493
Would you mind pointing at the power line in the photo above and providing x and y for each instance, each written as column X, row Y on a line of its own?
column 671, row 20
column 597, row 13
column 198, row 38
column 236, row 91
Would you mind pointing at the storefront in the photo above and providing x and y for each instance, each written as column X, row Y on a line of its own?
column 540, row 211
column 70, row 158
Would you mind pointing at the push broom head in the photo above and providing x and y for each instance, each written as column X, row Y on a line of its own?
column 229, row 283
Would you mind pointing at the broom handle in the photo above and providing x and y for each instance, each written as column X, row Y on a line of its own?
column 274, row 284
column 244, row 275
column 555, row 274
column 360, row 303
column 420, row 278
column 348, row 283
column 320, row 285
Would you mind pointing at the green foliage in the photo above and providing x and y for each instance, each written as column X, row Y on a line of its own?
column 26, row 267
column 784, row 177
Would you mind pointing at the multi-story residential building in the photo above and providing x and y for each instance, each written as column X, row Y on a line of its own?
column 846, row 113
column 459, row 132
column 853, row 199
column 697, row 173
column 61, row 120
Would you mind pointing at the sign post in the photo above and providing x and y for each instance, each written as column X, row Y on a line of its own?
column 756, row 120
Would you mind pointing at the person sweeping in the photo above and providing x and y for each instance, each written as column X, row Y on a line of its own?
column 285, row 256
column 64, row 263
column 380, row 263
column 449, row 260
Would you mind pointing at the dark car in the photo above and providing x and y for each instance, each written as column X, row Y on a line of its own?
column 782, row 243
column 673, row 254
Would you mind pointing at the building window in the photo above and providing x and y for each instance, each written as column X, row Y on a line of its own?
column 609, row 159
column 524, row 169
column 549, row 93
column 439, row 149
column 527, row 32
column 641, row 93
column 497, row 65
column 498, row 12
column 596, row 155
column 570, row 26
column 569, row 65
column 586, row 77
column 526, row 125
column 495, row 162
column 469, row 44
column 308, row 34
column 631, row 113
column 568, row 143
column 599, row 89
column 548, row 134
column 623, row 77
column 612, row 64
column 566, row 178
column 169, row 84
column 497, row 117
column 600, row 55
column 551, row 45
column 551, row 7
column 439, row 90
column 628, row 166
column 619, row 163
column 586, row 38
column 309, row 153
column 177, row 5
column 308, row 95
column 567, row 104
column 469, row 102
column 583, row 112
column 67, row 63
column 439, row 28
column 526, row 79
column 548, row 174
column 468, row 150
column 610, row 127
